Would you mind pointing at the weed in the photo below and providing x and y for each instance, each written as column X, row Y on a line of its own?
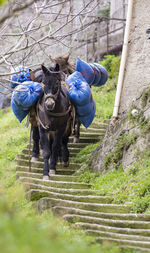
column 123, row 143
column 145, row 96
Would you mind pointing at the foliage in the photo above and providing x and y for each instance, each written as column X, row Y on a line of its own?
column 1, row 2
column 123, row 143
column 112, row 64
column 145, row 96
column 83, row 155
column 105, row 12
column 130, row 187
column 104, row 97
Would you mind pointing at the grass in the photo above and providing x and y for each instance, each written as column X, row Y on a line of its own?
column 104, row 97
column 21, row 228
column 131, row 187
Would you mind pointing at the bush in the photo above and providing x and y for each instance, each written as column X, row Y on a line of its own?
column 112, row 64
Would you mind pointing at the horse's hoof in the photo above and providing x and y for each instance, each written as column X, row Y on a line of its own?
column 34, row 159
column 46, row 178
column 52, row 172
column 41, row 152
column 66, row 164
column 75, row 140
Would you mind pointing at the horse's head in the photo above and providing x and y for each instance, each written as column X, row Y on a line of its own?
column 52, row 86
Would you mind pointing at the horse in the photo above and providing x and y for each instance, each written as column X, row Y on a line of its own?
column 68, row 68
column 54, row 121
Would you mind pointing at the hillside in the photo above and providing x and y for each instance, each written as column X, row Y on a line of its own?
column 26, row 230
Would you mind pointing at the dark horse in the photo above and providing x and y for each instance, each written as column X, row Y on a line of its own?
column 68, row 69
column 54, row 121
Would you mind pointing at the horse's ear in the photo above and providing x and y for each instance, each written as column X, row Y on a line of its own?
column 57, row 67
column 32, row 75
column 52, row 60
column 44, row 69
column 66, row 58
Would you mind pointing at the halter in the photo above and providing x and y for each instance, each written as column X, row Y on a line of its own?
column 52, row 114
column 53, row 96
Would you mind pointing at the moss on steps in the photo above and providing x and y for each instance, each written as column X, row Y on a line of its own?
column 109, row 222
column 39, row 164
column 117, row 235
column 125, row 242
column 59, row 184
column 129, row 231
column 35, row 194
column 60, row 210
column 78, row 192
column 59, row 171
column 45, row 203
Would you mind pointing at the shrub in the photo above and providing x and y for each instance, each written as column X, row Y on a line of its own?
column 112, row 64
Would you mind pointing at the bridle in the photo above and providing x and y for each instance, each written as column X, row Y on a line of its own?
column 53, row 96
column 50, row 113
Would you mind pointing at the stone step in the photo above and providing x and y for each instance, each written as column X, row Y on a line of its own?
column 98, row 125
column 81, row 192
column 133, row 248
column 39, row 164
column 77, row 145
column 117, row 235
column 52, row 183
column 107, row 222
column 70, row 145
column 87, row 139
column 91, row 134
column 92, row 130
column 36, row 194
column 40, row 159
column 59, row 171
column 107, row 121
column 60, row 210
column 125, row 242
column 129, row 231
column 72, row 150
column 45, row 203
column 64, row 178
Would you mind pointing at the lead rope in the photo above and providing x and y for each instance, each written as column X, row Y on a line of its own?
column 30, row 149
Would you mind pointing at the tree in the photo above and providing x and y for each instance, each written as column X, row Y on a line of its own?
column 31, row 30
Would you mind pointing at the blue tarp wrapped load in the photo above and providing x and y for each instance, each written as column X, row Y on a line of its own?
column 20, row 77
column 24, row 96
column 81, row 97
column 94, row 73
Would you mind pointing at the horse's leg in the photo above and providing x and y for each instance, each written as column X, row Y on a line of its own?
column 55, row 150
column 46, row 152
column 36, row 138
column 65, row 151
column 77, row 131
column 65, row 139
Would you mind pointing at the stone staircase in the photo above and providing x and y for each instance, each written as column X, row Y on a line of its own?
column 77, row 203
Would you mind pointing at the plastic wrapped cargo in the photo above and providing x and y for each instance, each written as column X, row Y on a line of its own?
column 24, row 97
column 94, row 73
column 20, row 77
column 81, row 96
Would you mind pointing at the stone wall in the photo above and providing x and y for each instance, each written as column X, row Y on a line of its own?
column 137, row 74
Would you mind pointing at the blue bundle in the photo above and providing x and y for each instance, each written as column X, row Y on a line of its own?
column 24, row 96
column 81, row 97
column 20, row 77
column 94, row 73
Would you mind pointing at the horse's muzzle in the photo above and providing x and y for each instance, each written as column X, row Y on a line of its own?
column 50, row 104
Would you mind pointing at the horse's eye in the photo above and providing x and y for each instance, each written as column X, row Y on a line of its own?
column 55, row 88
